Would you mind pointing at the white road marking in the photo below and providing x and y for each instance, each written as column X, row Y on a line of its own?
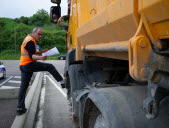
column 5, row 81
column 17, row 77
column 14, row 81
column 59, row 88
column 8, row 87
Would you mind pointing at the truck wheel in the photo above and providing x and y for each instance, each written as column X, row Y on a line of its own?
column 93, row 117
column 4, row 74
column 100, row 122
column 121, row 107
column 75, row 85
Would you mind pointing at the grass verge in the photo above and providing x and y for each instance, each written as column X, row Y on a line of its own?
column 11, row 55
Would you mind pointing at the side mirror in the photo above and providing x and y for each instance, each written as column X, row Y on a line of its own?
column 56, row 1
column 55, row 13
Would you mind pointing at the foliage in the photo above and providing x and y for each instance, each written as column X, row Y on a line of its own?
column 52, row 39
column 40, row 18
column 20, row 32
column 22, row 19
column 13, row 32
column 8, row 23
column 2, row 24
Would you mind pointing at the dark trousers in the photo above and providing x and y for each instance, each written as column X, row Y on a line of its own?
column 26, row 74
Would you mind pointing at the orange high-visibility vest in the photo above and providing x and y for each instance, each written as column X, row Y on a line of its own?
column 25, row 59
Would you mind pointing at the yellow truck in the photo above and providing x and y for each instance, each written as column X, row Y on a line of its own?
column 117, row 63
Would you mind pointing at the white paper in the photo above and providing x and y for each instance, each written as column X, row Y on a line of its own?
column 51, row 52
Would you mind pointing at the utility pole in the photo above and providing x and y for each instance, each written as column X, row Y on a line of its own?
column 15, row 39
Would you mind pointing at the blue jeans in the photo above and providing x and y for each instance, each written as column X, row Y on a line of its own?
column 26, row 74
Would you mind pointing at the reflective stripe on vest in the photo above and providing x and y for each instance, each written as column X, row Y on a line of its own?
column 24, row 54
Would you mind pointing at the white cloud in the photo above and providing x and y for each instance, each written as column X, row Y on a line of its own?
column 18, row 8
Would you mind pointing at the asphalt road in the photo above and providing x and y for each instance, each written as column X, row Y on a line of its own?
column 13, row 72
column 55, row 108
column 12, row 66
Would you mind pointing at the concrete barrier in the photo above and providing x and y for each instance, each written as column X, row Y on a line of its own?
column 9, row 93
column 27, row 120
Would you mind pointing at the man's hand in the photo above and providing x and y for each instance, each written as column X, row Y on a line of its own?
column 44, row 50
column 43, row 57
column 59, row 21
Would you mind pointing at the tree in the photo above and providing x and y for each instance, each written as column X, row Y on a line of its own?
column 2, row 23
column 40, row 18
column 17, row 20
column 22, row 19
column 21, row 31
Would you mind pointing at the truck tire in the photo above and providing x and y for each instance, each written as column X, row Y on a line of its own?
column 100, row 122
column 76, row 80
column 121, row 107
column 76, row 83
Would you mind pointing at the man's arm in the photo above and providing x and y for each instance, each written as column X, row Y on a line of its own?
column 30, row 47
column 65, row 18
column 35, row 57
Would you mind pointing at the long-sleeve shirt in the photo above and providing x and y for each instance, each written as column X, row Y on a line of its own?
column 30, row 47
column 66, row 17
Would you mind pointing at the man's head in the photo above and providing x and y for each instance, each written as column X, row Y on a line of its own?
column 55, row 18
column 69, row 3
column 37, row 33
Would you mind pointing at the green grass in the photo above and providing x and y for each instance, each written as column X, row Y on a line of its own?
column 11, row 55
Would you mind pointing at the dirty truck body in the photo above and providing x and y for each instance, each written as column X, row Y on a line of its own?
column 117, row 64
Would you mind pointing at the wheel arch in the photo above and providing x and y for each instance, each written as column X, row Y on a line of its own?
column 97, row 101
column 122, row 107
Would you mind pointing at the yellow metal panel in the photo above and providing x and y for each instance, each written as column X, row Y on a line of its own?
column 155, row 15
column 92, row 8
column 83, row 11
column 96, row 6
column 156, row 10
column 161, row 30
column 116, row 23
column 89, row 8
column 73, row 25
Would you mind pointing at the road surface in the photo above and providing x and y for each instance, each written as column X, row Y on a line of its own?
column 55, row 109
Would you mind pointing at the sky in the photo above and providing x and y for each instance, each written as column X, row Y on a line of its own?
column 17, row 8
